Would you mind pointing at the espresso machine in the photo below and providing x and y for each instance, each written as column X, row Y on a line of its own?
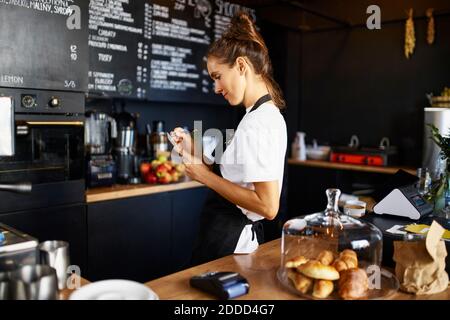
column 125, row 149
column 100, row 129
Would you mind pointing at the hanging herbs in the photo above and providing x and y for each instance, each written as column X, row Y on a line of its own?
column 431, row 29
column 410, row 37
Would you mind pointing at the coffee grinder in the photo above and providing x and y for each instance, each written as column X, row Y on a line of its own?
column 125, row 149
column 100, row 129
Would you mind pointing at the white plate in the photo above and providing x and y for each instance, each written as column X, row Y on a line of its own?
column 114, row 290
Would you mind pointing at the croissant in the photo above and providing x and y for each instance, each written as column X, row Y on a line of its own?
column 296, row 261
column 347, row 260
column 326, row 257
column 301, row 283
column 322, row 288
column 316, row 270
column 349, row 252
column 353, row 284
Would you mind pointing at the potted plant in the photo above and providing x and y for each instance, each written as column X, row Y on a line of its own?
column 441, row 187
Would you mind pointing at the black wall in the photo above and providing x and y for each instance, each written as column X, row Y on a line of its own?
column 285, row 53
column 174, row 114
column 358, row 81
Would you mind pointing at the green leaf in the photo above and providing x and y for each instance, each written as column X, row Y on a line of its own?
column 443, row 142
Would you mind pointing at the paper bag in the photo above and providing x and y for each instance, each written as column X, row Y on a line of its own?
column 420, row 265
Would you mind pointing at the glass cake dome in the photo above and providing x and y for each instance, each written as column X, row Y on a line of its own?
column 332, row 255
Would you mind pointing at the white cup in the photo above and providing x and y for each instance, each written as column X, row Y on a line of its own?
column 355, row 208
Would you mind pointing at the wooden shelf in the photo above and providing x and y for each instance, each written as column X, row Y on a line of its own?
column 351, row 167
column 127, row 191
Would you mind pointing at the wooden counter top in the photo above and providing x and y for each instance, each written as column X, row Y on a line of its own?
column 127, row 191
column 351, row 167
column 259, row 268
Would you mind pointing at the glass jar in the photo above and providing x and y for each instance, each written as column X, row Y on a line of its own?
column 309, row 237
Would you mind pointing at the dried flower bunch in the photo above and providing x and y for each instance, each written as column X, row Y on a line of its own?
column 410, row 37
column 430, row 29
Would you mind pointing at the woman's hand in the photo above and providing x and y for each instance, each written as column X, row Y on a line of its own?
column 195, row 168
column 197, row 172
column 183, row 141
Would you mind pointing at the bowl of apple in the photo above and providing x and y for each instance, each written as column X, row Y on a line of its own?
column 161, row 171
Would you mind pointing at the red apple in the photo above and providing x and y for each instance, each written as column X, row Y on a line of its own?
column 161, row 170
column 168, row 165
column 145, row 168
column 151, row 178
column 175, row 176
column 167, row 178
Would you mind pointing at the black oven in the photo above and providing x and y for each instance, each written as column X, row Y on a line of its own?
column 44, row 165
column 45, row 152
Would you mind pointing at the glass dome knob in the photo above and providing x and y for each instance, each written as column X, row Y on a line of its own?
column 333, row 200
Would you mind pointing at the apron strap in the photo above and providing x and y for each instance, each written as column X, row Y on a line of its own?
column 257, row 230
column 257, row 104
column 261, row 101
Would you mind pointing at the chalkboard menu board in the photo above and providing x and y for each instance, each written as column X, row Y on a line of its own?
column 179, row 38
column 155, row 49
column 118, row 56
column 43, row 44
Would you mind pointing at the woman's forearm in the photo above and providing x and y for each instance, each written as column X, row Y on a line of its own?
column 243, row 197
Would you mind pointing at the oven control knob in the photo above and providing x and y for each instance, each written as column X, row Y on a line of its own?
column 55, row 102
column 28, row 101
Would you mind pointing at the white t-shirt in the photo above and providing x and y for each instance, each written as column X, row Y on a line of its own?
column 256, row 153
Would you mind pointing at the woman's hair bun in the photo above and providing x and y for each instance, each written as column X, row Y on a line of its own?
column 243, row 40
column 243, row 28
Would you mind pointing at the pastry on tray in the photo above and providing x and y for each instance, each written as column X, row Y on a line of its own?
column 326, row 274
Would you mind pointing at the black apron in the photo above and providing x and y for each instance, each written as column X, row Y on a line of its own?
column 222, row 222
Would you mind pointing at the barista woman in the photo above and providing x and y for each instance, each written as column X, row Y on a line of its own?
column 248, row 186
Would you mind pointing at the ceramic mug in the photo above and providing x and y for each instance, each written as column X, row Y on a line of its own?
column 355, row 208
